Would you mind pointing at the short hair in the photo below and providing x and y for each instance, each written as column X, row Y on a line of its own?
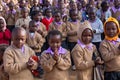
column 34, row 13
column 104, row 3
column 17, row 30
column 53, row 33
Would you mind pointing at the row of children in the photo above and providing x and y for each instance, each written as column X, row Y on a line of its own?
column 55, row 61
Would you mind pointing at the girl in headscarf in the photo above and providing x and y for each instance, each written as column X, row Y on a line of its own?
column 5, row 34
column 82, row 53
column 110, row 49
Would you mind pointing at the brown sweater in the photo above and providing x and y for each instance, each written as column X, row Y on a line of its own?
column 111, row 55
column 72, row 26
column 62, row 28
column 83, row 61
column 56, row 70
column 35, row 41
column 15, row 63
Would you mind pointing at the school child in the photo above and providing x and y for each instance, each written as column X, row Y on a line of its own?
column 36, row 16
column 96, row 25
column 110, row 49
column 82, row 53
column 59, row 25
column 11, row 17
column 79, row 7
column 35, row 5
column 48, row 18
column 104, row 13
column 72, row 27
column 73, row 5
column 5, row 34
column 116, row 10
column 34, row 39
column 55, row 60
column 17, row 57
column 25, row 19
column 3, row 74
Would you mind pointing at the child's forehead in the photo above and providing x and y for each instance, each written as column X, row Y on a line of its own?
column 57, row 36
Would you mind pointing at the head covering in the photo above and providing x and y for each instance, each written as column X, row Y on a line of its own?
column 83, row 26
column 4, row 22
column 111, row 19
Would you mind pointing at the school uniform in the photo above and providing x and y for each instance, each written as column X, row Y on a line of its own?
column 35, row 40
column 15, row 60
column 56, row 70
column 72, row 40
column 22, row 21
column 111, row 56
column 82, row 57
column 5, row 37
column 60, row 26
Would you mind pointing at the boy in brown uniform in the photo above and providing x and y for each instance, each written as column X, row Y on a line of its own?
column 17, row 61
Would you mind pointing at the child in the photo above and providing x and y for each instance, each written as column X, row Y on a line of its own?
column 116, row 10
column 82, row 53
column 25, row 19
column 55, row 60
column 34, row 39
column 59, row 25
column 3, row 74
column 96, row 25
column 72, row 27
column 11, row 17
column 48, row 18
column 110, row 49
column 5, row 34
column 104, row 13
column 17, row 61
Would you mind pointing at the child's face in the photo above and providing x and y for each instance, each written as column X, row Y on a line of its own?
column 73, row 6
column 87, row 36
column 55, row 42
column 74, row 16
column 25, row 13
column 57, row 17
column 1, row 24
column 105, row 7
column 48, row 13
column 92, row 15
column 111, row 29
column 19, row 39
column 37, row 17
column 33, row 28
column 35, row 2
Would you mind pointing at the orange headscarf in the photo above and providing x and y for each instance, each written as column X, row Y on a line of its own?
column 111, row 19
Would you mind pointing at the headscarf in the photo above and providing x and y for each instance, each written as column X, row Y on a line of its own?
column 83, row 26
column 4, row 22
column 111, row 19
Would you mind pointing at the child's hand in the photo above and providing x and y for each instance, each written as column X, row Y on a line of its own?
column 56, row 56
column 98, row 61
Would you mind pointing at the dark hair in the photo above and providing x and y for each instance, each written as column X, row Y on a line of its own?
column 53, row 33
column 47, row 10
column 33, row 13
column 104, row 3
column 56, row 12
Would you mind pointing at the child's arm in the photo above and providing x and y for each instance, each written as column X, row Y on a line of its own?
column 64, row 62
column 10, row 65
column 107, row 54
column 79, row 61
column 47, row 62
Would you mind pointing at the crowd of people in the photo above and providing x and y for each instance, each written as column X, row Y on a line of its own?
column 50, row 37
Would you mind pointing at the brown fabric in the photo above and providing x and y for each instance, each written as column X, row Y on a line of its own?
column 62, row 28
column 56, row 70
column 36, row 41
column 15, row 63
column 110, row 54
column 83, row 61
column 71, row 26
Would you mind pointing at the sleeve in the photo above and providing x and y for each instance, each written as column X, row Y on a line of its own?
column 50, row 27
column 7, row 34
column 100, row 29
column 17, row 24
column 80, row 63
column 44, row 30
column 47, row 62
column 108, row 54
column 64, row 62
column 10, row 65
